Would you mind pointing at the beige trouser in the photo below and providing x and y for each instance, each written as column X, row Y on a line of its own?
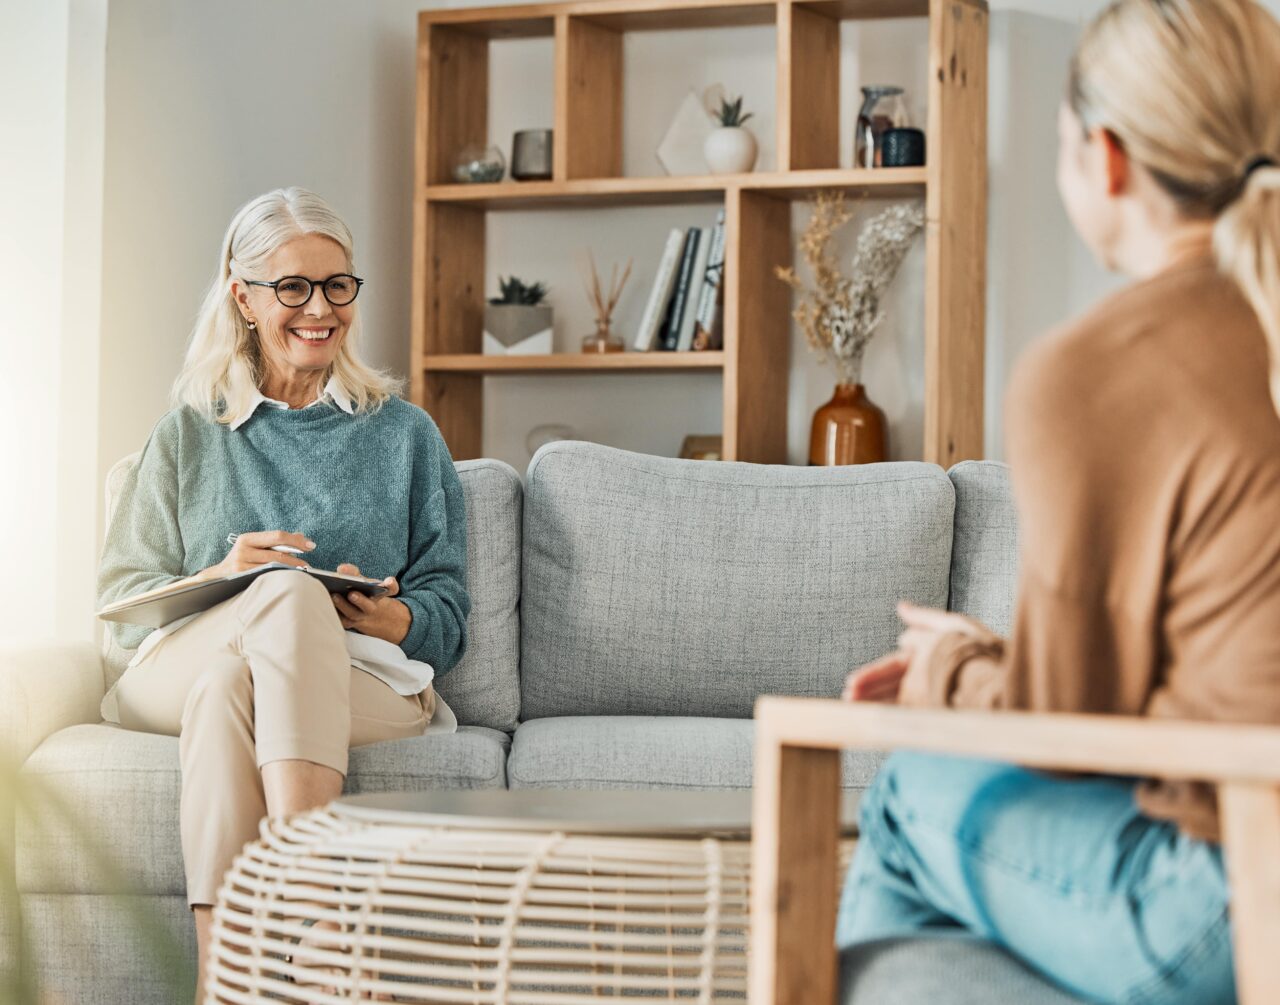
column 261, row 677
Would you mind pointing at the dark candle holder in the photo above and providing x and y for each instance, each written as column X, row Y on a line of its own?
column 902, row 148
column 531, row 155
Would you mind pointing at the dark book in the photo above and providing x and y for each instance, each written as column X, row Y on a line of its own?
column 680, row 299
column 706, row 328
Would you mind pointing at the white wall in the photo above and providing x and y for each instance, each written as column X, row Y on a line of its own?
column 51, row 60
column 33, row 61
column 190, row 134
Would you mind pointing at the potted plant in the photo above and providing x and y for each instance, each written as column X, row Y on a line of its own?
column 517, row 321
column 730, row 149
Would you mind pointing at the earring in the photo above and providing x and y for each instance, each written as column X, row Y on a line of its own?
column 253, row 326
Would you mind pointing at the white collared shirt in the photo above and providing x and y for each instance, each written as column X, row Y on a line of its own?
column 384, row 660
column 331, row 390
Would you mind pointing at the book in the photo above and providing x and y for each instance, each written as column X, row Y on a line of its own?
column 158, row 607
column 681, row 295
column 666, row 324
column 708, row 316
column 684, row 340
column 660, row 294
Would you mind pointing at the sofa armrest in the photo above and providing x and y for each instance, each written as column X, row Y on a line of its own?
column 44, row 687
column 795, row 815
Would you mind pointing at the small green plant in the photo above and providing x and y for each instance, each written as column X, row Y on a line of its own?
column 730, row 113
column 516, row 292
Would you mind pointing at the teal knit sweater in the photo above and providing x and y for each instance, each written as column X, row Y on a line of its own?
column 377, row 489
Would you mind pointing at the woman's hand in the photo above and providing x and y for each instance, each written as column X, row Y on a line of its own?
column 879, row 681
column 381, row 617
column 254, row 549
column 902, row 676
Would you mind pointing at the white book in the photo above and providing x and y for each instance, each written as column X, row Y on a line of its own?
column 660, row 294
column 715, row 270
column 699, row 277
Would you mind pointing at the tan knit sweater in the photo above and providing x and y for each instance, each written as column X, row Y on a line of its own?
column 1145, row 455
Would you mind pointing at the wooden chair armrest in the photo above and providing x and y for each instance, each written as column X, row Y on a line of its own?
column 795, row 815
column 1105, row 744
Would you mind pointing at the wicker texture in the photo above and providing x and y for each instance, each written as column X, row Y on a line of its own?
column 390, row 911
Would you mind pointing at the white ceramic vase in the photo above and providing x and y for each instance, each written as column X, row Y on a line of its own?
column 730, row 150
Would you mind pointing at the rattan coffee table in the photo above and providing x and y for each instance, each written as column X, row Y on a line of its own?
column 528, row 897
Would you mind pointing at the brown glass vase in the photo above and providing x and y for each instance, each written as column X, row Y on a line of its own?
column 849, row 429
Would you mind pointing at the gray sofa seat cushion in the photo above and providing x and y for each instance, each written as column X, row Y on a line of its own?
column 654, row 586
column 957, row 969
column 484, row 688
column 984, row 557
column 120, row 790
column 647, row 752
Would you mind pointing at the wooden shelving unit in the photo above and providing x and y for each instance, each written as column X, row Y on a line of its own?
column 448, row 249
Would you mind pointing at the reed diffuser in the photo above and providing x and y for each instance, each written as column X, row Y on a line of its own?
column 603, row 304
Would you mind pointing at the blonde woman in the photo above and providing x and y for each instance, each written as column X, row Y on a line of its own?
column 281, row 436
column 1144, row 445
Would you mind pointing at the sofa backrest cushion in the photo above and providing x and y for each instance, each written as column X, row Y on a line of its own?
column 984, row 557
column 655, row 586
column 483, row 689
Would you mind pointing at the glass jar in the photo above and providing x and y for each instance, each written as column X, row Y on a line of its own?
column 603, row 340
column 883, row 108
column 479, row 165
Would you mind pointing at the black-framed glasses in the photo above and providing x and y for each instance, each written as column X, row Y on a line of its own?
column 294, row 291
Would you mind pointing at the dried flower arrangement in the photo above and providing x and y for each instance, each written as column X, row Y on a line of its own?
column 839, row 314
column 604, row 304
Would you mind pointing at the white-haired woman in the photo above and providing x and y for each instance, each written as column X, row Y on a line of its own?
column 1144, row 446
column 282, row 436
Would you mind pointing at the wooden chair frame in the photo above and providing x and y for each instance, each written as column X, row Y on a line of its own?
column 796, row 800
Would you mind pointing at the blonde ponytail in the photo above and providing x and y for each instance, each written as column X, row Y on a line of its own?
column 1190, row 87
column 1246, row 241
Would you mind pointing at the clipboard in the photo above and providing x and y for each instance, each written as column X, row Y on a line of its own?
column 156, row 608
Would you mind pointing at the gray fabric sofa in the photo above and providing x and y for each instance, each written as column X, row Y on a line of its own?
column 627, row 611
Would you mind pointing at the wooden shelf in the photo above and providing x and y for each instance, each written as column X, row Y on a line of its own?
column 885, row 183
column 449, row 243
column 568, row 362
column 538, row 20
column 865, row 10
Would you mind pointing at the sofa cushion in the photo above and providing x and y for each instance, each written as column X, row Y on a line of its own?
column 647, row 752
column 958, row 969
column 103, row 809
column 484, row 688
column 86, row 949
column 984, row 557
column 655, row 586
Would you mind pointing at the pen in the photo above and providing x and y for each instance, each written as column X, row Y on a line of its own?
column 231, row 539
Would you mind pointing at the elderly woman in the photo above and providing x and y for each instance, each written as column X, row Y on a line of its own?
column 282, row 436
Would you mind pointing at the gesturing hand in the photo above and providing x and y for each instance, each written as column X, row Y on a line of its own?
column 381, row 617
column 902, row 676
column 878, row 681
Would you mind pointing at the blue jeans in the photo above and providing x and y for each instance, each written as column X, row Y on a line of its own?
column 1066, row 874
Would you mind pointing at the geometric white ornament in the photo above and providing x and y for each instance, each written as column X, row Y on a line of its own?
column 680, row 151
